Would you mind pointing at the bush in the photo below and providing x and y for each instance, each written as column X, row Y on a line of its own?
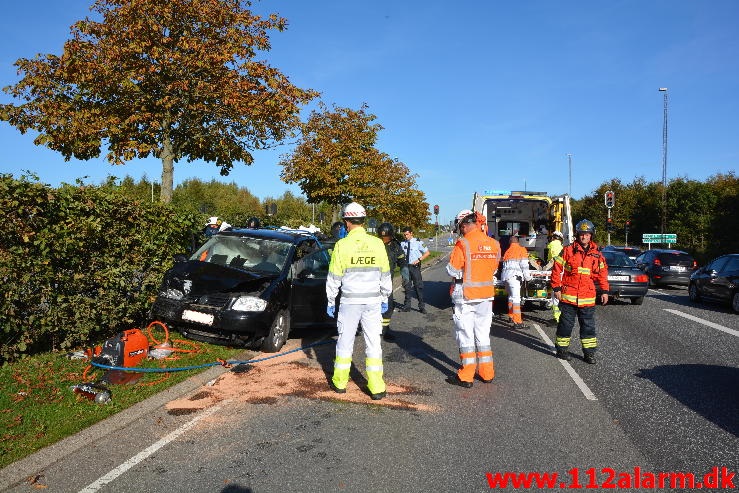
column 80, row 263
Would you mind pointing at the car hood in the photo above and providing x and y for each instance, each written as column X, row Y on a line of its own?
column 194, row 278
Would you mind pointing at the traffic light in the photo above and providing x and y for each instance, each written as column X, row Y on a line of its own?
column 609, row 225
column 610, row 198
column 627, row 225
column 436, row 210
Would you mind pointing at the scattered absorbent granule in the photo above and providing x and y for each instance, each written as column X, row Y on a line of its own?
column 294, row 374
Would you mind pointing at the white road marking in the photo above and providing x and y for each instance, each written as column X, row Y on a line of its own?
column 113, row 474
column 733, row 332
column 589, row 395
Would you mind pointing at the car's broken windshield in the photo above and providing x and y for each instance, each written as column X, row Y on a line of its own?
column 244, row 253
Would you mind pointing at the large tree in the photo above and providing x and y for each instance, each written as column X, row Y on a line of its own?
column 172, row 79
column 336, row 161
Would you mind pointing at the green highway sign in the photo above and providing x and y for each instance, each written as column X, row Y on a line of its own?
column 659, row 238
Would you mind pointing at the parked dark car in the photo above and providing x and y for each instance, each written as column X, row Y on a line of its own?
column 717, row 281
column 666, row 267
column 247, row 287
column 631, row 252
column 624, row 278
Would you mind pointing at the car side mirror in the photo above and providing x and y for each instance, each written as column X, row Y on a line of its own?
column 180, row 258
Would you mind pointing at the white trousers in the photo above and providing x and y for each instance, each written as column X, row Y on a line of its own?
column 472, row 322
column 347, row 324
column 513, row 288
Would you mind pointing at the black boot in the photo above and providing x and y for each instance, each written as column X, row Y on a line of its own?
column 589, row 358
column 563, row 353
column 387, row 334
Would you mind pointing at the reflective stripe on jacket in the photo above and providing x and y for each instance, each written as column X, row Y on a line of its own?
column 474, row 260
column 515, row 263
column 359, row 266
column 576, row 271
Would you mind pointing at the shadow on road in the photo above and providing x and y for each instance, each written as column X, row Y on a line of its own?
column 415, row 346
column 709, row 390
column 234, row 488
column 525, row 337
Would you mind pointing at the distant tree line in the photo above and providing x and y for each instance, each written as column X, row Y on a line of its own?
column 704, row 215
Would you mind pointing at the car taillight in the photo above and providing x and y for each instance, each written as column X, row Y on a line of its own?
column 695, row 265
column 657, row 262
column 641, row 278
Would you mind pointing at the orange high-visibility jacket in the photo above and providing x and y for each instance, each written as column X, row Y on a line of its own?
column 576, row 271
column 515, row 252
column 515, row 263
column 475, row 257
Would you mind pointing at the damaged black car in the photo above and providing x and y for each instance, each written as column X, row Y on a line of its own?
column 247, row 287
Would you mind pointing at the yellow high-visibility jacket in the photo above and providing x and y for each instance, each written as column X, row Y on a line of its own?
column 360, row 268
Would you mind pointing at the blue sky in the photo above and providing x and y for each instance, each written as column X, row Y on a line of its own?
column 473, row 95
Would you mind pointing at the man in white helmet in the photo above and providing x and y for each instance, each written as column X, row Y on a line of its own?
column 212, row 227
column 472, row 265
column 360, row 269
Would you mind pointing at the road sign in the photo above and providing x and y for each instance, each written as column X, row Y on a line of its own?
column 659, row 238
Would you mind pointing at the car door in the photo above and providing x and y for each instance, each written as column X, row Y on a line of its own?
column 718, row 286
column 308, row 290
column 642, row 261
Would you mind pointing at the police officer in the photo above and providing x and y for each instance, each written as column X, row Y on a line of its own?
column 396, row 258
column 360, row 268
column 415, row 252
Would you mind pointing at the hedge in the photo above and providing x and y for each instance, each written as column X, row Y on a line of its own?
column 79, row 263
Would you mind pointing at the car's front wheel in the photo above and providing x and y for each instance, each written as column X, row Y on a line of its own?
column 693, row 293
column 735, row 302
column 638, row 300
column 278, row 332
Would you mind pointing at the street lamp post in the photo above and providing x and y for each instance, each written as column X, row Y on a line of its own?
column 569, row 161
column 664, row 162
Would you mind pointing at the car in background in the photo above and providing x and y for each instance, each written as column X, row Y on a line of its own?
column 631, row 252
column 665, row 266
column 247, row 287
column 717, row 281
column 624, row 278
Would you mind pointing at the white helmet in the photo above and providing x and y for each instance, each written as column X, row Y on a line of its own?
column 353, row 210
column 463, row 213
column 213, row 220
column 558, row 233
column 457, row 220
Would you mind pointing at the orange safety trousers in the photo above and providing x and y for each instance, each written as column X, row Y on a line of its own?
column 514, row 311
column 480, row 362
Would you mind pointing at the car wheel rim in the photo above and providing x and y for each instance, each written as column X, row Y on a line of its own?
column 735, row 302
column 279, row 331
column 692, row 294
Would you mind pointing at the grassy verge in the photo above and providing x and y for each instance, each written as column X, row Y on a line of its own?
column 38, row 408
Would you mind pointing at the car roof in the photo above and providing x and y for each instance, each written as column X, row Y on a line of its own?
column 614, row 253
column 667, row 250
column 293, row 236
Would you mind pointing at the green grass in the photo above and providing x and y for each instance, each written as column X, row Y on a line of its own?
column 38, row 408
